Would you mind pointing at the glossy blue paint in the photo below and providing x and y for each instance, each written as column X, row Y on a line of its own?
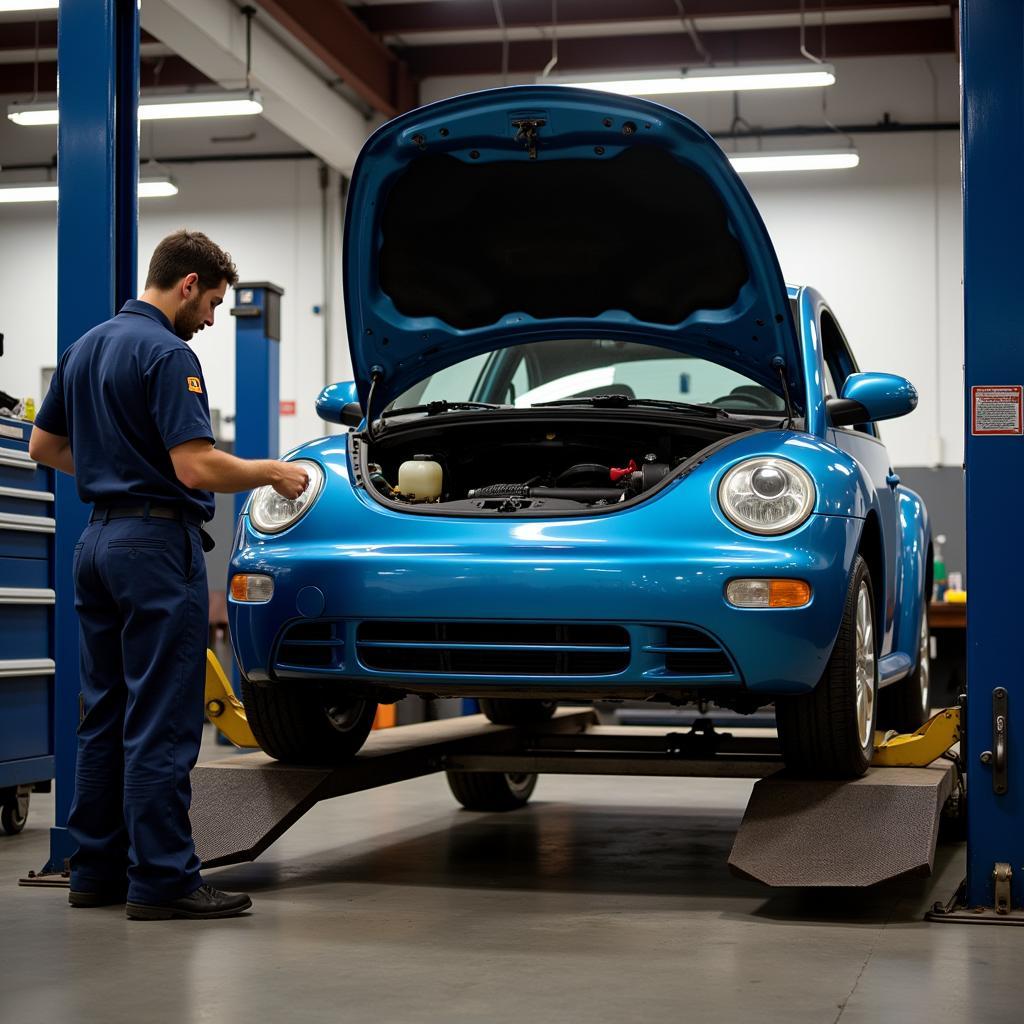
column 331, row 401
column 98, row 70
column 672, row 555
column 993, row 153
column 747, row 336
column 661, row 562
column 884, row 395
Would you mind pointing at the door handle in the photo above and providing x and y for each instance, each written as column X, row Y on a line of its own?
column 893, row 480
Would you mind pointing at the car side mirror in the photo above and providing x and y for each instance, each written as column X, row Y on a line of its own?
column 867, row 397
column 339, row 403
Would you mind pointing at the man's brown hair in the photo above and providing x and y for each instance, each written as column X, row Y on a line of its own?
column 190, row 252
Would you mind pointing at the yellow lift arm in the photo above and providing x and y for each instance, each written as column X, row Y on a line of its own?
column 920, row 748
column 223, row 708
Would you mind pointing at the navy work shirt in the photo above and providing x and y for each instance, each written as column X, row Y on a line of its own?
column 124, row 394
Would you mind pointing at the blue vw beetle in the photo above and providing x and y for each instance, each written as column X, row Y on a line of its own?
column 597, row 450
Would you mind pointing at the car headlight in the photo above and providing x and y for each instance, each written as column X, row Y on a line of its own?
column 766, row 495
column 270, row 512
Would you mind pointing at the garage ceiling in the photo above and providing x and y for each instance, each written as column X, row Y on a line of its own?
column 456, row 37
column 375, row 52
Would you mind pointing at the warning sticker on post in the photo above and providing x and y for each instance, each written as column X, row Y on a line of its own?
column 996, row 409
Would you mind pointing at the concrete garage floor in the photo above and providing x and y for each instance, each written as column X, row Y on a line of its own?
column 604, row 900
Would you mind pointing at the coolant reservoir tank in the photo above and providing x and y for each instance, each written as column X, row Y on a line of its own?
column 421, row 477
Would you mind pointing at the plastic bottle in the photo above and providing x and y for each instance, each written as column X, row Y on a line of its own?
column 939, row 580
column 421, row 478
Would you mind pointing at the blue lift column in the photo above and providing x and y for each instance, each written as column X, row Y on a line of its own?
column 97, row 173
column 257, row 311
column 993, row 154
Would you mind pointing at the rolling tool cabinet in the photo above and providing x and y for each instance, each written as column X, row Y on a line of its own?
column 26, row 625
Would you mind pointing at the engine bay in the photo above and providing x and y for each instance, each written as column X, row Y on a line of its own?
column 544, row 463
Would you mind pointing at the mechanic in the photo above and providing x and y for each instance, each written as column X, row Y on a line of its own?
column 127, row 415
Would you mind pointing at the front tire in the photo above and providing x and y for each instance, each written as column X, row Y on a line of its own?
column 303, row 725
column 516, row 711
column 492, row 791
column 830, row 731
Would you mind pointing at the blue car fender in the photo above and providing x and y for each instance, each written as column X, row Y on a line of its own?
column 914, row 588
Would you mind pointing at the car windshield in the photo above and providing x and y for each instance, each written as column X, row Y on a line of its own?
column 554, row 371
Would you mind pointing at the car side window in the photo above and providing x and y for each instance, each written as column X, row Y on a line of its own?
column 839, row 364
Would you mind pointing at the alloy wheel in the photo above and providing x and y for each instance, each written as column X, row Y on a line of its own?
column 924, row 670
column 519, row 782
column 865, row 666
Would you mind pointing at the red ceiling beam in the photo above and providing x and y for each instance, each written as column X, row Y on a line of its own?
column 676, row 49
column 328, row 29
column 448, row 16
column 17, row 80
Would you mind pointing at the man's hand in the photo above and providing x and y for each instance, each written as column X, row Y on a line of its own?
column 291, row 480
column 197, row 464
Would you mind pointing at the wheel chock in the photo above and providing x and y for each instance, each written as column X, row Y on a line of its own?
column 223, row 708
column 918, row 749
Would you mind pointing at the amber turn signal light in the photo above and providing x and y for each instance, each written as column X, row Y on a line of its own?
column 768, row 593
column 251, row 588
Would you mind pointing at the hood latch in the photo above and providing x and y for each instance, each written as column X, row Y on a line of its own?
column 526, row 132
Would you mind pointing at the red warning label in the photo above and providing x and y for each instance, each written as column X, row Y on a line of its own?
column 996, row 409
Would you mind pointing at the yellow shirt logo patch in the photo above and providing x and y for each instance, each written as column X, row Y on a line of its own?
column 195, row 385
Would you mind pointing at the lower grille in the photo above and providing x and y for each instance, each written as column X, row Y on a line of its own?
column 315, row 646
column 692, row 652
column 541, row 649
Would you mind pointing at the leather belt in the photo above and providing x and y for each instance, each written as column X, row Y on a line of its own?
column 141, row 511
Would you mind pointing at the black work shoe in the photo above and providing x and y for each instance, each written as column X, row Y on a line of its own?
column 205, row 902
column 100, row 898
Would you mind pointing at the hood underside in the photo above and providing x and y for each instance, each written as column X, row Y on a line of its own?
column 545, row 212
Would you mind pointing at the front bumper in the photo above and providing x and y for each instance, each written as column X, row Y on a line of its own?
column 479, row 589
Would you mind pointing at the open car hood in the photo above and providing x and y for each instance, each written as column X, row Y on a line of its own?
column 532, row 212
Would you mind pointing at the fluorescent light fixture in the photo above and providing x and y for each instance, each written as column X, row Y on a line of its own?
column 149, row 188
column 806, row 160
column 13, row 6
column 806, row 74
column 162, row 108
column 157, row 188
column 227, row 104
column 32, row 113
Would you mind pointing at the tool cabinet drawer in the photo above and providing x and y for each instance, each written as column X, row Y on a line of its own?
column 19, row 471
column 14, row 433
column 25, row 501
column 26, row 622
column 26, row 697
column 24, row 572
column 24, row 536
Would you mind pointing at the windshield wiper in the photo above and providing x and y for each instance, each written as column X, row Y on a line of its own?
column 624, row 401
column 433, row 408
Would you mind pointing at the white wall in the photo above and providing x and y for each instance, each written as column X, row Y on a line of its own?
column 266, row 214
column 881, row 242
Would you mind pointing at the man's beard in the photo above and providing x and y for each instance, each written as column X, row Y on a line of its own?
column 187, row 319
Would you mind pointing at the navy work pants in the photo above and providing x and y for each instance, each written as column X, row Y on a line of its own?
column 142, row 601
